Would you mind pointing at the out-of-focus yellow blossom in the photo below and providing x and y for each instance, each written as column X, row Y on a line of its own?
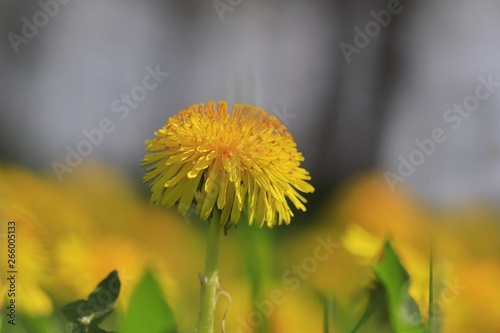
column 242, row 160
column 367, row 247
column 364, row 213
column 469, row 294
column 362, row 243
column 470, row 298
column 336, row 269
column 370, row 203
column 466, row 243
column 372, row 213
column 47, row 200
column 84, row 260
column 296, row 312
column 467, row 233
column 32, row 260
column 26, row 199
column 124, row 232
column 72, row 234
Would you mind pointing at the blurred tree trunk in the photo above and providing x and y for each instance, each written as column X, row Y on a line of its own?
column 349, row 130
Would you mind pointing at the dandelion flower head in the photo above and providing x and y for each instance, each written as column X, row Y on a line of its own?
column 242, row 161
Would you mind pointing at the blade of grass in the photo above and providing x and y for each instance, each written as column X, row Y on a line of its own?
column 434, row 324
column 330, row 305
column 367, row 314
column 431, row 292
column 326, row 323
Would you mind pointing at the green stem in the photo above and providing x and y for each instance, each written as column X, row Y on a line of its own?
column 210, row 281
column 431, row 293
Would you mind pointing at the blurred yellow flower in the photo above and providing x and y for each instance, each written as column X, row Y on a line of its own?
column 470, row 299
column 368, row 247
column 84, row 260
column 72, row 234
column 296, row 312
column 362, row 243
column 32, row 261
column 371, row 213
column 245, row 160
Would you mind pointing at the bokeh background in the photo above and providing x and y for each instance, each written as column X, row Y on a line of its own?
column 355, row 103
column 347, row 116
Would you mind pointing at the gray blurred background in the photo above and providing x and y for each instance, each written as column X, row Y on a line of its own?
column 353, row 101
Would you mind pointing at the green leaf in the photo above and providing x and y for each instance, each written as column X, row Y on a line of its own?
column 148, row 310
column 102, row 300
column 97, row 330
column 74, row 311
column 86, row 329
column 86, row 315
column 403, row 311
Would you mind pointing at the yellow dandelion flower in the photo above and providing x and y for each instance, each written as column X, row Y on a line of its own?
column 239, row 161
